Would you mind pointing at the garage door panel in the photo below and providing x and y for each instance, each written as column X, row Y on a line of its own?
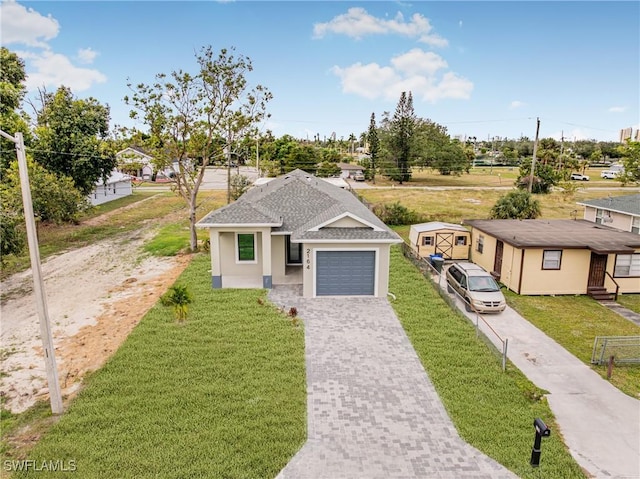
column 345, row 273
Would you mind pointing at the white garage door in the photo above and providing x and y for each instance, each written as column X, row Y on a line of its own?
column 345, row 273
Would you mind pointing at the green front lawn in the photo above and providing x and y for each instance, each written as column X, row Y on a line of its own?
column 630, row 301
column 222, row 395
column 574, row 322
column 492, row 410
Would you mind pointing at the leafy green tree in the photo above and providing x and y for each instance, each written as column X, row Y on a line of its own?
column 402, row 128
column 12, row 90
column 304, row 157
column 71, row 139
column 54, row 197
column 545, row 177
column 631, row 161
column 331, row 155
column 327, row 169
column 517, row 204
column 239, row 185
column 12, row 234
column 374, row 147
column 188, row 114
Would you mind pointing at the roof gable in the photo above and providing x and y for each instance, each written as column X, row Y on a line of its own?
column 342, row 220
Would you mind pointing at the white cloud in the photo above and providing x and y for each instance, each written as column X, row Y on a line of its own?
column 450, row 86
column 617, row 109
column 369, row 81
column 26, row 26
column 417, row 61
column 357, row 23
column 87, row 55
column 53, row 70
column 516, row 104
column 416, row 71
column 44, row 67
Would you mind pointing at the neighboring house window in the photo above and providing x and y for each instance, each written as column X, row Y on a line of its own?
column 427, row 241
column 480, row 245
column 635, row 225
column 603, row 216
column 627, row 265
column 246, row 247
column 551, row 259
column 599, row 214
column 461, row 240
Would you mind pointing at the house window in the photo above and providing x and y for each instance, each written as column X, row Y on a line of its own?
column 427, row 241
column 246, row 247
column 480, row 244
column 635, row 225
column 461, row 240
column 294, row 252
column 551, row 259
column 627, row 265
column 599, row 215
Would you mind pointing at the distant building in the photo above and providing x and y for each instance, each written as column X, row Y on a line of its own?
column 118, row 185
column 625, row 134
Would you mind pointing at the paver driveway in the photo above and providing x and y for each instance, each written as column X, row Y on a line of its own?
column 372, row 410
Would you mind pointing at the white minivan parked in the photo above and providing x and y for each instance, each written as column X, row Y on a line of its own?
column 476, row 287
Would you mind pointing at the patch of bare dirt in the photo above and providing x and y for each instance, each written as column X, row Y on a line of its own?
column 95, row 295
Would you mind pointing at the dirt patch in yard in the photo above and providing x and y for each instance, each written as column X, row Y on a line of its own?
column 95, row 296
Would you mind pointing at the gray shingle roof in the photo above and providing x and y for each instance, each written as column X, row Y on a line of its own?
column 565, row 234
column 629, row 204
column 297, row 202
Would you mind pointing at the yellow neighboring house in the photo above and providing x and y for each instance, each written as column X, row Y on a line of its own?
column 449, row 240
column 546, row 257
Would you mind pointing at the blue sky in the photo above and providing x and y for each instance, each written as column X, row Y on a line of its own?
column 481, row 69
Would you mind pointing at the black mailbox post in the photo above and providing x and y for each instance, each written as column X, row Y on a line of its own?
column 541, row 431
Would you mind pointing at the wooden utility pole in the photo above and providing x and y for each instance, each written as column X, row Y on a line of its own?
column 535, row 150
column 38, row 284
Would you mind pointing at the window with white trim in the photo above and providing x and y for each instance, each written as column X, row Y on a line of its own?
column 427, row 241
column 599, row 215
column 480, row 244
column 635, row 225
column 461, row 241
column 246, row 247
column 551, row 259
column 627, row 266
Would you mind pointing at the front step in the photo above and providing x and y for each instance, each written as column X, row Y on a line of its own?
column 600, row 293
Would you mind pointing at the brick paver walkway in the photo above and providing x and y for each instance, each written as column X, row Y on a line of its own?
column 372, row 410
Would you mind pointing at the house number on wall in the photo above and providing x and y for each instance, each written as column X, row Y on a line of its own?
column 308, row 258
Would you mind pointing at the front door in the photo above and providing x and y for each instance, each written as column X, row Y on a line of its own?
column 444, row 244
column 497, row 262
column 597, row 269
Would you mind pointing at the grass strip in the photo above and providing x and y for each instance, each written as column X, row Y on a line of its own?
column 574, row 322
column 492, row 410
column 222, row 395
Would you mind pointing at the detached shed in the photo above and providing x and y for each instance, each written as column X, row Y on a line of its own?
column 449, row 240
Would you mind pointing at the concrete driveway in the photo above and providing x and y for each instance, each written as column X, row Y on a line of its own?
column 600, row 424
column 372, row 410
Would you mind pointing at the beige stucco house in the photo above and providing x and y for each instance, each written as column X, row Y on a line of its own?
column 541, row 257
column 621, row 212
column 298, row 229
column 449, row 240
